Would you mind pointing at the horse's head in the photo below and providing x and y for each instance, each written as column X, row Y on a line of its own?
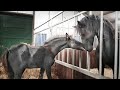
column 72, row 43
column 85, row 29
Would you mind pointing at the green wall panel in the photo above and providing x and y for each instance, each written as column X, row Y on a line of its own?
column 15, row 29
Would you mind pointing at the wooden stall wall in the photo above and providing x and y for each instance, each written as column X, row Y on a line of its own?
column 66, row 73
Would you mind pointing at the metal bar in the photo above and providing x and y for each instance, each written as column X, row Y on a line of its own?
column 116, row 45
column 59, row 55
column 119, row 56
column 73, row 57
column 49, row 24
column 63, row 54
column 33, row 24
column 80, row 58
column 88, row 61
column 88, row 56
column 49, row 19
column 63, row 21
column 73, row 61
column 101, row 43
column 84, row 71
column 68, row 55
column 80, row 53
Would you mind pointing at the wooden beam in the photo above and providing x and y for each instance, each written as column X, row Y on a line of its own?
column 84, row 71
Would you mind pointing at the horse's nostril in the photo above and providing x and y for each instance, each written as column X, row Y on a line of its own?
column 89, row 50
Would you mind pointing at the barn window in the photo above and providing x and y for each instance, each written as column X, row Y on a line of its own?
column 40, row 39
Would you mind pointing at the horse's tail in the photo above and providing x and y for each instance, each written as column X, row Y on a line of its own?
column 4, row 60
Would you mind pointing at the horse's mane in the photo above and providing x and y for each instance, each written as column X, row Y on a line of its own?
column 54, row 38
column 94, row 21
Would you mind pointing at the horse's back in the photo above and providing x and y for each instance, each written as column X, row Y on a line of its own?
column 18, row 54
column 32, row 49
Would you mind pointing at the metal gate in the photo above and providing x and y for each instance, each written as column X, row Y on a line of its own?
column 60, row 29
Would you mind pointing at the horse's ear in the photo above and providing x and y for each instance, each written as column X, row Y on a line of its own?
column 66, row 34
column 67, row 37
column 78, row 22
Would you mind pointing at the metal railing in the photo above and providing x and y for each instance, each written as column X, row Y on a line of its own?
column 49, row 20
column 101, row 43
column 116, row 45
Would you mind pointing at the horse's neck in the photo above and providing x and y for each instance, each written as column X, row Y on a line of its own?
column 108, row 30
column 108, row 42
column 55, row 48
column 107, row 35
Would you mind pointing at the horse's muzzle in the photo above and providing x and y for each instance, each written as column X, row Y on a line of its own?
column 82, row 49
column 90, row 49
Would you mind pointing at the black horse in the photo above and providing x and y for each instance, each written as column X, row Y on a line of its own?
column 23, row 56
column 88, row 27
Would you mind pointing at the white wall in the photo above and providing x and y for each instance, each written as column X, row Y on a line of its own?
column 42, row 16
column 61, row 29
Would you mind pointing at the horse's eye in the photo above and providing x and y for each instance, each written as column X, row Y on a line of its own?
column 83, row 35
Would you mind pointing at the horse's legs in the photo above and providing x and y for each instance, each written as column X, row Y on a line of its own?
column 18, row 73
column 10, row 74
column 41, row 73
column 48, row 72
column 113, row 71
column 17, row 76
column 118, row 71
column 101, row 67
column 49, row 61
